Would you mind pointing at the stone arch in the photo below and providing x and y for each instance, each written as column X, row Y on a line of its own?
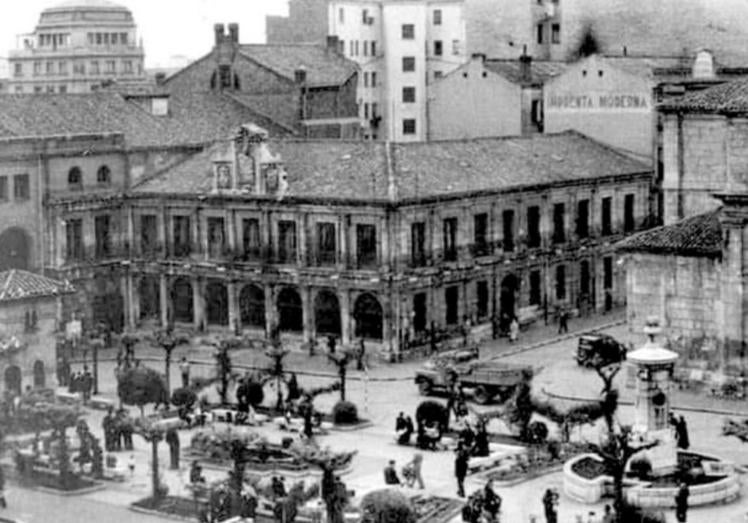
column 15, row 251
column 75, row 179
column 368, row 315
column 327, row 313
column 252, row 306
column 290, row 311
column 181, row 300
column 150, row 297
column 13, row 379
column 40, row 378
column 217, row 303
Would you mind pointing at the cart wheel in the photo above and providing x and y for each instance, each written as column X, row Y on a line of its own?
column 481, row 395
column 424, row 387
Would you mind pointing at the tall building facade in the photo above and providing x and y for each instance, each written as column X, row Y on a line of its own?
column 77, row 46
column 306, row 23
column 401, row 48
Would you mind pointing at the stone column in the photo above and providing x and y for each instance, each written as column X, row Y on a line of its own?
column 344, row 301
column 198, row 304
column 125, row 290
column 306, row 305
column 163, row 300
column 270, row 312
column 234, row 320
column 135, row 299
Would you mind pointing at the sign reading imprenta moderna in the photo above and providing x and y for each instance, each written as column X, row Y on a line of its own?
column 603, row 101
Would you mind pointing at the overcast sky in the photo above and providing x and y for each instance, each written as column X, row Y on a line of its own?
column 168, row 28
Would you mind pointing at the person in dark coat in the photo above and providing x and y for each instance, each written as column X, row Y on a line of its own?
column 491, row 500
column 360, row 354
column 550, row 503
column 390, row 474
column 108, row 425
column 294, row 392
column 681, row 432
column 172, row 439
column 3, row 502
column 196, row 473
column 462, row 456
column 681, row 503
column 563, row 321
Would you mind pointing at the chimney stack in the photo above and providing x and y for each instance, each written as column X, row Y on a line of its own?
column 625, row 51
column 218, row 30
column 299, row 75
column 525, row 65
column 234, row 33
column 332, row 43
column 478, row 56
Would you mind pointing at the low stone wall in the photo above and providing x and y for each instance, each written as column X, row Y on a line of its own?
column 582, row 489
column 721, row 491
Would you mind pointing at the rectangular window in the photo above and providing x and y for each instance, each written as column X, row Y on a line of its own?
column 583, row 219
column 356, row 47
column 17, row 70
column 533, row 226
column 350, row 48
column 480, row 234
column 409, row 95
column 455, row 47
column 62, row 67
column 438, row 48
column 102, row 236
column 408, row 31
column 216, row 237
column 366, row 245
column 181, row 235
column 366, row 48
column 366, row 110
column 149, row 234
column 438, row 74
column 556, row 33
column 482, row 299
column 507, row 218
column 409, row 64
column 559, row 231
column 373, row 79
column 79, row 68
column 326, row 243
column 111, row 66
column 114, row 38
column 37, row 68
column 450, row 239
column 418, row 244
column 224, row 76
column 608, row 272
column 419, row 311
column 38, row 89
column 50, row 88
column 127, row 67
column 373, row 49
column 584, row 278
column 21, row 189
column 94, row 67
column 409, row 126
column 62, row 89
column 628, row 213
column 123, row 38
column 366, row 79
column 286, row 241
column 74, row 239
column 374, row 111
column 364, row 16
column 452, row 302
column 341, row 15
column 251, row 238
column 606, row 216
column 50, row 68
column 3, row 189
column 437, row 17
column 539, row 33
column 561, row 282
column 535, row 288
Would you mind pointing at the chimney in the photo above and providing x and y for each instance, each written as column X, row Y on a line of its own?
column 299, row 75
column 218, row 30
column 332, row 43
column 234, row 33
column 478, row 56
column 525, row 65
column 160, row 78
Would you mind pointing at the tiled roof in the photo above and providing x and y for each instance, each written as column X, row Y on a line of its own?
column 360, row 170
column 60, row 114
column 17, row 285
column 731, row 97
column 541, row 70
column 699, row 235
column 282, row 108
column 323, row 67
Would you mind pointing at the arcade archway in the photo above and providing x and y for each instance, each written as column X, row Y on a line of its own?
column 327, row 313
column 368, row 315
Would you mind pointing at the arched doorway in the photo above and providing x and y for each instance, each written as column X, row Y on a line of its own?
column 508, row 298
column 290, row 311
column 368, row 315
column 13, row 379
column 252, row 306
column 15, row 249
column 181, row 300
column 39, row 375
column 217, row 303
column 327, row 313
column 150, row 298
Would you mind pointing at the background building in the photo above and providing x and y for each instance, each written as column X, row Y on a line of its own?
column 76, row 46
column 401, row 48
column 306, row 23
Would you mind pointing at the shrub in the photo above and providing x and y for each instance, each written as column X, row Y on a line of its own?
column 387, row 506
column 430, row 411
column 344, row 412
column 183, row 397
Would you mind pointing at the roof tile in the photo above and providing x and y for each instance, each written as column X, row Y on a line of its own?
column 17, row 285
column 322, row 66
column 699, row 235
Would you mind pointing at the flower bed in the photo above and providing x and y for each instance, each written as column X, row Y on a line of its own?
column 169, row 505
column 434, row 509
column 535, row 462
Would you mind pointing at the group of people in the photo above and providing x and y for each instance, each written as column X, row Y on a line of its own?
column 81, row 381
column 118, row 430
column 411, row 473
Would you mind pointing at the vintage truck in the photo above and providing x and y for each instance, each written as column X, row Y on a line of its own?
column 486, row 379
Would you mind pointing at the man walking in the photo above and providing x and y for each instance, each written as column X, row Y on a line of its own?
column 550, row 502
column 563, row 321
column 681, row 503
column 462, row 456
column 172, row 439
column 360, row 354
column 184, row 368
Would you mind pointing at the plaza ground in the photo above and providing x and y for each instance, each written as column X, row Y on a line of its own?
column 380, row 394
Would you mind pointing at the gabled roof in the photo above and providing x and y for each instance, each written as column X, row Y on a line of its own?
column 699, row 235
column 16, row 284
column 363, row 171
column 727, row 98
column 540, row 70
column 323, row 67
column 282, row 108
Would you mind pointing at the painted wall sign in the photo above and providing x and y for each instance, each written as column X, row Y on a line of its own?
column 597, row 102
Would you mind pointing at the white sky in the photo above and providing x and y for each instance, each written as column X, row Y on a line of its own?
column 168, row 28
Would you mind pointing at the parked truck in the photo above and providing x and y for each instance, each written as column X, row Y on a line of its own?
column 487, row 379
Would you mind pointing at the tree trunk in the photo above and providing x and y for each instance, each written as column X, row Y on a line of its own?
column 155, row 490
column 279, row 392
column 342, row 383
column 167, row 369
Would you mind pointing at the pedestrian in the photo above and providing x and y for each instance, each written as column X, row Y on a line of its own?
column 331, row 342
column 108, row 425
column 462, row 456
column 416, row 474
column 495, row 327
column 681, row 503
column 466, row 330
column 131, row 465
column 361, row 354
column 550, row 505
column 390, row 474
column 87, row 384
column 196, row 473
column 184, row 368
column 172, row 439
column 681, row 430
column 3, row 502
column 432, row 339
column 563, row 321
column 491, row 500
column 513, row 330
column 608, row 516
